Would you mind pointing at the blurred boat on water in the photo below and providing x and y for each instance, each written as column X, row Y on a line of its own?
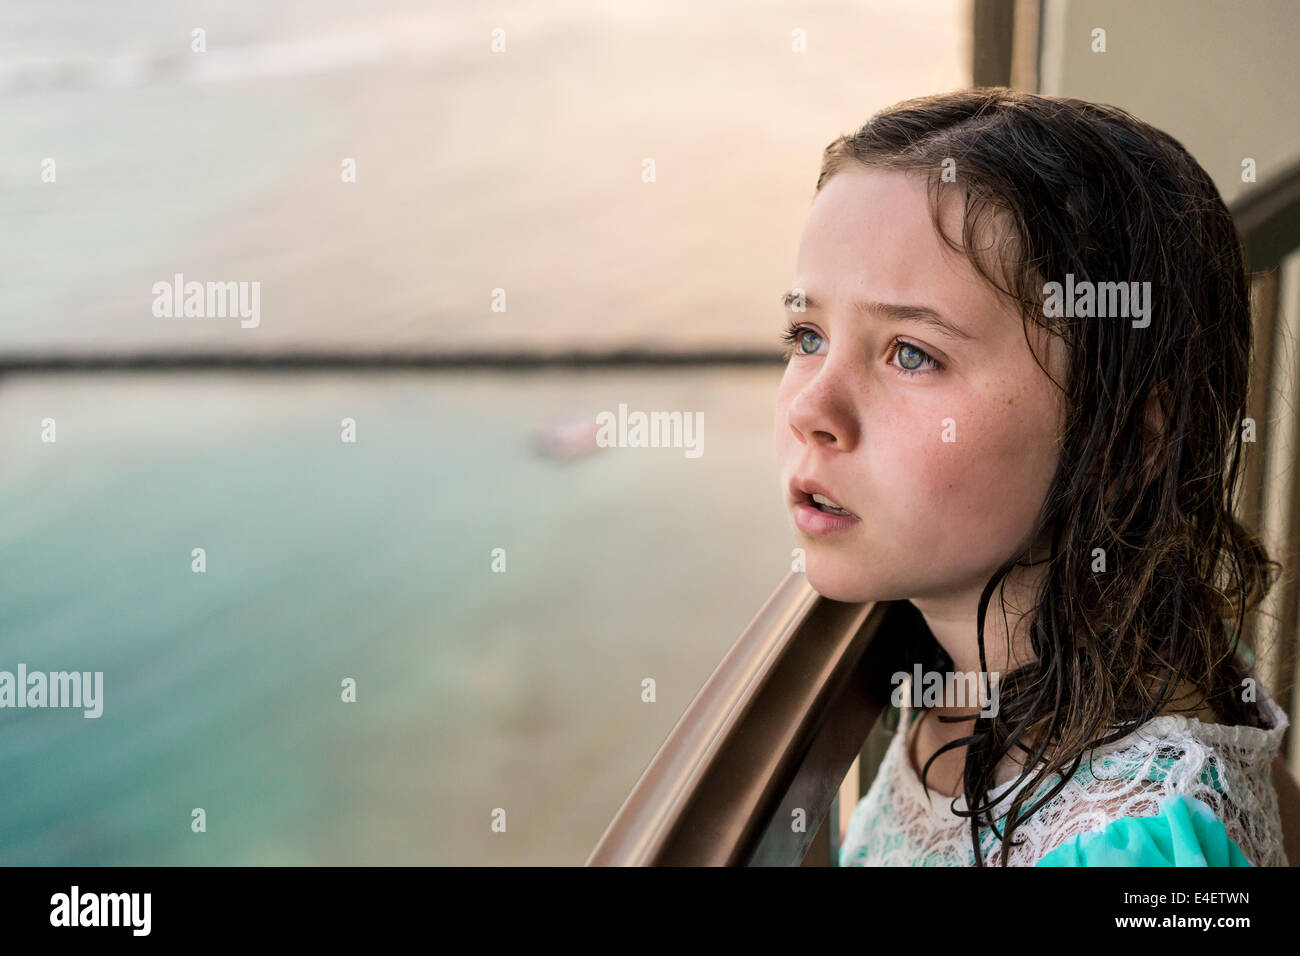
column 568, row 438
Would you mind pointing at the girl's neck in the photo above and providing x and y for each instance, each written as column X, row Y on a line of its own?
column 952, row 617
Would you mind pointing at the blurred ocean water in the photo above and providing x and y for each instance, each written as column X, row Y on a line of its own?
column 327, row 560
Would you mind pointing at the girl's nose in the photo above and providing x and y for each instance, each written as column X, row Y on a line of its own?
column 822, row 412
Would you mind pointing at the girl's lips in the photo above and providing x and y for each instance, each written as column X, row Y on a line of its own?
column 812, row 520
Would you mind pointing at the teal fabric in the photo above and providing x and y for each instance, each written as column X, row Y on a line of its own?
column 1184, row 833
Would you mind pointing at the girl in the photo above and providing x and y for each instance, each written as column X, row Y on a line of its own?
column 1017, row 366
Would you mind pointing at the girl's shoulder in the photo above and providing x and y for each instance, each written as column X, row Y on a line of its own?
column 1185, row 832
column 1176, row 791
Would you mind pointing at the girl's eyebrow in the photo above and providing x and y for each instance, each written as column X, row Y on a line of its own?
column 890, row 310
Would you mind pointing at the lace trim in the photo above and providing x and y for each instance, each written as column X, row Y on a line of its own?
column 1228, row 767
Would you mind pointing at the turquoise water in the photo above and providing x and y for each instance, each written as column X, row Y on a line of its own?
column 475, row 690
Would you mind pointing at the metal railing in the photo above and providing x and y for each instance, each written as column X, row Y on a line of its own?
column 749, row 771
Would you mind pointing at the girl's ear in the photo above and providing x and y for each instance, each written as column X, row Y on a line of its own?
column 1154, row 431
column 1154, row 445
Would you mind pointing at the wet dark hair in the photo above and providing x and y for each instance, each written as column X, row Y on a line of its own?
column 1152, row 440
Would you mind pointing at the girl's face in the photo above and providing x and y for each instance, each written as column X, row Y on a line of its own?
column 911, row 400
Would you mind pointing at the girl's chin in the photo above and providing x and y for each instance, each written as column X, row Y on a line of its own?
column 853, row 583
column 840, row 587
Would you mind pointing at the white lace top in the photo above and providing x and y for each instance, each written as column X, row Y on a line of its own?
column 898, row 824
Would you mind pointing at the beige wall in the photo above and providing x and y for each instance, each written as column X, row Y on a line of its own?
column 1219, row 77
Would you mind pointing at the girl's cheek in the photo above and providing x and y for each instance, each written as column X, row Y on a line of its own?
column 992, row 473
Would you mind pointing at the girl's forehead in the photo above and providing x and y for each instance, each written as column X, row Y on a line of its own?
column 871, row 234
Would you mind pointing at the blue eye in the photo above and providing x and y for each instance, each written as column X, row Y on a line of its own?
column 913, row 361
column 802, row 339
column 911, row 358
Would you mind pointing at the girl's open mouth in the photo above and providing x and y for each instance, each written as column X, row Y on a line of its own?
column 818, row 514
column 830, row 507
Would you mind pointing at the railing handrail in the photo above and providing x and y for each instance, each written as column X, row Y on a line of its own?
column 767, row 740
